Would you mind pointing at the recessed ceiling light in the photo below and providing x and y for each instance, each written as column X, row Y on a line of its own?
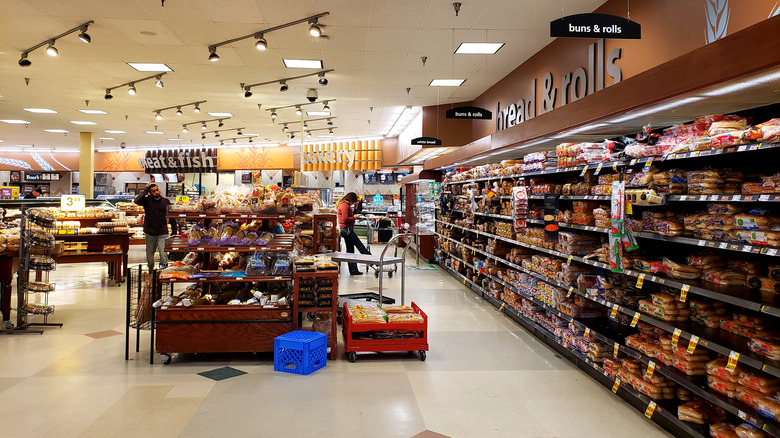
column 154, row 132
column 246, row 134
column 220, row 114
column 40, row 110
column 479, row 48
column 302, row 63
column 82, row 122
column 89, row 111
column 112, row 131
column 149, row 66
column 57, row 131
column 317, row 113
column 106, row 138
column 446, row 82
column 175, row 139
column 17, row 122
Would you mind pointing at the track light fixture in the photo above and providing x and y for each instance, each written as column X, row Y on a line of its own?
column 261, row 43
column 247, row 93
column 330, row 131
column 314, row 29
column 330, row 122
column 51, row 50
column 305, row 126
column 292, row 136
column 49, row 43
column 220, row 124
column 203, row 126
column 217, row 134
column 285, row 129
column 308, row 133
column 203, row 136
column 326, row 107
column 239, row 132
column 322, row 80
column 283, row 81
column 222, row 143
column 273, row 115
column 184, row 128
column 158, row 116
column 159, row 81
column 298, row 110
column 213, row 57
column 250, row 140
column 178, row 108
column 299, row 106
column 131, row 86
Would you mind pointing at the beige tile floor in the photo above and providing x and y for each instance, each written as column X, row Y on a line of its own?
column 484, row 377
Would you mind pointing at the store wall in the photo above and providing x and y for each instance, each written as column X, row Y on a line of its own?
column 353, row 183
column 451, row 132
column 120, row 178
column 412, row 131
column 61, row 187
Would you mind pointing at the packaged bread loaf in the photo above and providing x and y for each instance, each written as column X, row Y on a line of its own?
column 770, row 349
column 718, row 369
column 725, row 387
column 695, row 412
column 748, row 396
column 722, row 430
column 747, row 430
column 758, row 382
column 769, row 407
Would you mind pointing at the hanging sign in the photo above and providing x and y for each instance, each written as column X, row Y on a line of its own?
column 426, row 141
column 595, row 26
column 469, row 112
column 180, row 161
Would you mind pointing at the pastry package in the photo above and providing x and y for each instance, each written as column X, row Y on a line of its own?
column 718, row 369
column 397, row 308
column 405, row 317
column 366, row 314
column 769, row 407
column 722, row 430
column 748, row 396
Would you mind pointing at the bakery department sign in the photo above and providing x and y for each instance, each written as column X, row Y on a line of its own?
column 573, row 86
column 318, row 156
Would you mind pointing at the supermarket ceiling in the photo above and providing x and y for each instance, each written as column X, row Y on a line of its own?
column 374, row 47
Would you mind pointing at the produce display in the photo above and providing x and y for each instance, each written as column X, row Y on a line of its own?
column 687, row 317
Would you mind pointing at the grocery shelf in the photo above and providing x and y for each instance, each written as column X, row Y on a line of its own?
column 226, row 279
column 747, row 148
column 724, row 198
column 197, row 215
column 667, row 412
column 281, row 242
column 585, row 198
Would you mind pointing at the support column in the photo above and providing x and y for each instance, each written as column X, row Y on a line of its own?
column 87, row 164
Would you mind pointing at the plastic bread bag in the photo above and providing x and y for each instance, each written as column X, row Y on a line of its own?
column 722, row 430
column 747, row 430
column 242, row 238
column 763, row 384
column 282, row 265
column 405, row 317
column 255, row 265
column 769, row 407
column 695, row 412
column 226, row 233
column 264, row 238
column 196, row 234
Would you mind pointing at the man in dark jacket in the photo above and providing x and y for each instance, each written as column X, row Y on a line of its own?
column 155, row 224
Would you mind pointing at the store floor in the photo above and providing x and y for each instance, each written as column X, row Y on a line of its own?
column 484, row 377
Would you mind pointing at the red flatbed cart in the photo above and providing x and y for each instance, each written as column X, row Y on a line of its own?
column 418, row 344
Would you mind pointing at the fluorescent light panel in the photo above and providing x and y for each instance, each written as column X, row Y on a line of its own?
column 149, row 66
column 317, row 113
column 57, row 131
column 89, row 111
column 302, row 63
column 220, row 114
column 154, row 132
column 479, row 48
column 106, row 138
column 82, row 122
column 446, row 82
column 15, row 121
column 40, row 110
column 175, row 139
column 114, row 131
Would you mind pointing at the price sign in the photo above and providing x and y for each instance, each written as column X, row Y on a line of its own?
column 650, row 409
column 614, row 166
column 676, row 337
column 701, row 243
column 742, row 415
column 629, row 207
column 502, row 307
column 648, row 164
column 617, row 349
column 684, row 198
column 742, row 148
column 598, row 169
column 763, row 198
column 736, row 198
column 650, row 369
column 587, row 334
column 732, row 363
column 693, row 343
column 633, row 161
column 571, row 289
column 616, row 386
column 584, row 169
column 636, row 319
column 772, row 252
column 182, row 199
column 569, row 260
column 613, row 313
column 684, row 292
column 640, row 281
column 73, row 202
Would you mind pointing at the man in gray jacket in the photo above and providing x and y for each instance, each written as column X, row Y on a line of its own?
column 155, row 224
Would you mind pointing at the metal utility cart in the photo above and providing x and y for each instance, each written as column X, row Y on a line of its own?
column 353, row 342
column 380, row 262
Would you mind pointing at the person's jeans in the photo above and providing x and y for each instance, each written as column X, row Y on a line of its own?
column 155, row 243
column 352, row 241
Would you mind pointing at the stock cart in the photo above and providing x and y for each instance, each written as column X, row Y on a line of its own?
column 357, row 337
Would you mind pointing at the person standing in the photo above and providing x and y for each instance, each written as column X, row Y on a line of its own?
column 346, row 221
column 155, row 224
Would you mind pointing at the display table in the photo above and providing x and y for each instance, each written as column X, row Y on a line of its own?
column 117, row 261
column 8, row 267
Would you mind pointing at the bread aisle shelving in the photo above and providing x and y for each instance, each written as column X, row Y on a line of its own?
column 478, row 246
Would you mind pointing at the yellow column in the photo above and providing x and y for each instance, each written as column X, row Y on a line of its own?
column 304, row 150
column 87, row 164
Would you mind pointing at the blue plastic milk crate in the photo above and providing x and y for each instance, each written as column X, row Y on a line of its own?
column 300, row 352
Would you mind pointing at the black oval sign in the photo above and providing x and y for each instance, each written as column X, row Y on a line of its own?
column 595, row 26
column 426, row 141
column 469, row 112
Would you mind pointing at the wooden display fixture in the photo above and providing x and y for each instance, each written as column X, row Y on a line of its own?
column 332, row 309
column 322, row 242
column 219, row 329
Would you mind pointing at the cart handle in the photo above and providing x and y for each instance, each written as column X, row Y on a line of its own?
column 395, row 239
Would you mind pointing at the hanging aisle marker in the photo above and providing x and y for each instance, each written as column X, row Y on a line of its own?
column 640, row 281
column 733, row 359
column 616, row 385
column 617, row 350
column 636, row 319
column 650, row 409
column 692, row 343
column 650, row 369
column 684, row 292
column 676, row 337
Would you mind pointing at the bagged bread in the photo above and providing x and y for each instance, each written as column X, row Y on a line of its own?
column 718, row 369
column 722, row 430
column 761, row 383
column 747, row 430
column 767, row 348
column 695, row 412
column 725, row 387
column 769, row 407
